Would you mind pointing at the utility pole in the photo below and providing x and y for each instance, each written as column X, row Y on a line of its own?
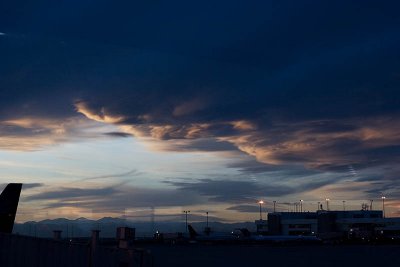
column 274, row 205
column 260, row 202
column 186, row 219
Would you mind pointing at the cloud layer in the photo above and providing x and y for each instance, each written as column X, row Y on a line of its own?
column 300, row 87
column 113, row 199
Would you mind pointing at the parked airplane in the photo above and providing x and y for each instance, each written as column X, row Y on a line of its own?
column 212, row 237
column 9, row 199
column 286, row 239
column 171, row 238
column 247, row 236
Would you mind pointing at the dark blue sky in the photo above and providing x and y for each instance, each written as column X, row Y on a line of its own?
column 298, row 88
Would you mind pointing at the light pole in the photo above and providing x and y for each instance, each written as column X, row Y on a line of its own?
column 327, row 204
column 383, row 206
column 301, row 205
column 207, row 218
column 370, row 207
column 274, row 205
column 186, row 215
column 260, row 202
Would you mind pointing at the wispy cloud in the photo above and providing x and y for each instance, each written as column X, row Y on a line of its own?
column 36, row 133
column 100, row 116
column 245, row 191
column 115, row 199
column 114, row 175
column 118, row 134
column 26, row 186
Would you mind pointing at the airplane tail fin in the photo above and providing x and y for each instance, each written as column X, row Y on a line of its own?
column 245, row 232
column 9, row 199
column 192, row 232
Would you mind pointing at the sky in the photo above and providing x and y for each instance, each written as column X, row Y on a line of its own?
column 145, row 109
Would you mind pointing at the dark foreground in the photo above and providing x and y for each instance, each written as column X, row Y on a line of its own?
column 252, row 255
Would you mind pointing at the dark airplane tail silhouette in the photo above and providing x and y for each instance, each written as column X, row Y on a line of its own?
column 192, row 232
column 245, row 232
column 9, row 199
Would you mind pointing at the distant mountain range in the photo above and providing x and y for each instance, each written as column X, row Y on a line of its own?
column 82, row 227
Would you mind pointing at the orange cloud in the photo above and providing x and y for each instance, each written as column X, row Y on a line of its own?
column 32, row 133
column 100, row 116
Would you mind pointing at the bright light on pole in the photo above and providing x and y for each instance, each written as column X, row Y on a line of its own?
column 260, row 202
column 301, row 205
column 383, row 206
column 327, row 203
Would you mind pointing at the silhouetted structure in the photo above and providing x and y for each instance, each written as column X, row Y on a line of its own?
column 125, row 237
column 8, row 206
column 262, row 226
column 333, row 224
column 21, row 251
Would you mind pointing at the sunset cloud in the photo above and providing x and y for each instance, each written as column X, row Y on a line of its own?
column 33, row 133
column 100, row 116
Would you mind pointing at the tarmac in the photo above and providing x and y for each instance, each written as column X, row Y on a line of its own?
column 200, row 255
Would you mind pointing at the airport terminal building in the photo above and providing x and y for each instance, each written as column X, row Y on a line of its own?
column 354, row 223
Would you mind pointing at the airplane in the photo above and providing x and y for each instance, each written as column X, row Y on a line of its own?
column 212, row 237
column 285, row 239
column 9, row 199
column 247, row 236
column 171, row 238
column 243, row 235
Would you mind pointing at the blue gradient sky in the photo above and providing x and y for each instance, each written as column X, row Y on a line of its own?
column 118, row 108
